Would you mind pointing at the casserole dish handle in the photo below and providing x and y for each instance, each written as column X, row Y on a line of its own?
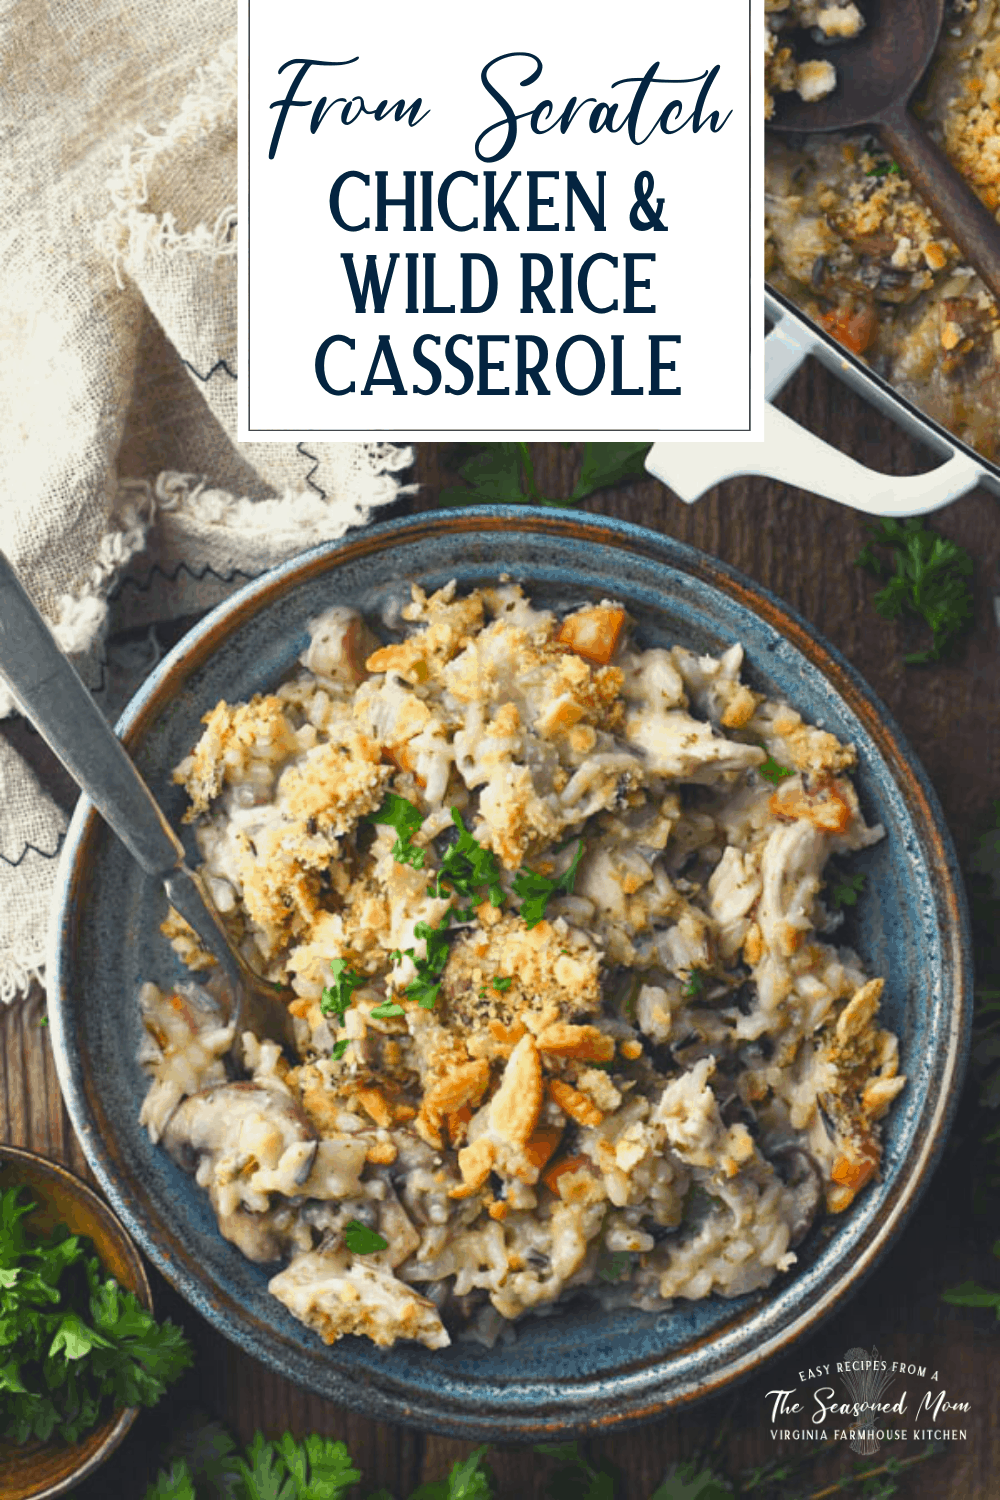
column 791, row 453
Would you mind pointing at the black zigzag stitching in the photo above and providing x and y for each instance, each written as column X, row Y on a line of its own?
column 172, row 577
column 220, row 364
column 309, row 477
column 32, row 849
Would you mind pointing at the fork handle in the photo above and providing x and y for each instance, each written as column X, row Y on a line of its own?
column 968, row 221
column 61, row 708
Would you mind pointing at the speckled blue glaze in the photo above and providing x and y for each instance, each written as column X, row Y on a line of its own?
column 582, row 1368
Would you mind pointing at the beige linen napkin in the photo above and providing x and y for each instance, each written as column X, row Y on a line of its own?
column 124, row 497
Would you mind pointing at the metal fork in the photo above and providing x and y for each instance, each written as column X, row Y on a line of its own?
column 56, row 701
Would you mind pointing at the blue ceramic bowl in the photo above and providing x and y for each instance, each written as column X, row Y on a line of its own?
column 582, row 1369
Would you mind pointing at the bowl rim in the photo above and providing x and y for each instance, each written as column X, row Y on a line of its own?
column 122, row 1418
column 590, row 1404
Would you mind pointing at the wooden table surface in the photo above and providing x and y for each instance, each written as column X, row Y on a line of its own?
column 801, row 548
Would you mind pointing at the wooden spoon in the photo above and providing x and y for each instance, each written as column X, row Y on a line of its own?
column 877, row 73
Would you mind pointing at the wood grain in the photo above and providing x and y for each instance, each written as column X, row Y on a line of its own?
column 802, row 549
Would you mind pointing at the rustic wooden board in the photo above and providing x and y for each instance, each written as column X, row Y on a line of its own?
column 801, row 548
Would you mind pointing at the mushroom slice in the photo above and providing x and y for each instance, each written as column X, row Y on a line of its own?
column 187, row 1037
column 242, row 1140
column 800, row 1172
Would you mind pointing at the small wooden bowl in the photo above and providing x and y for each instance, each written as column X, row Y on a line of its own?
column 35, row 1470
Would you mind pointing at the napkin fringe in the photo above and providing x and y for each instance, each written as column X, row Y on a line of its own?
column 81, row 617
column 17, row 976
column 191, row 497
column 131, row 236
column 188, row 501
column 169, row 231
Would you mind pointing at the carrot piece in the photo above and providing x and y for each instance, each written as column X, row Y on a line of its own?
column 542, row 1144
column 855, row 1170
column 854, row 327
column 565, row 1164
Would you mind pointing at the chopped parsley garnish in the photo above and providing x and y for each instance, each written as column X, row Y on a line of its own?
column 75, row 1344
column 386, row 1009
column 470, row 872
column 694, row 984
column 426, row 985
column 846, row 890
column 361, row 1240
column 929, row 582
column 337, row 996
column 617, row 1268
column 424, row 989
column 403, row 815
column 697, row 1201
column 536, row 891
column 773, row 771
column 884, row 168
column 468, row 869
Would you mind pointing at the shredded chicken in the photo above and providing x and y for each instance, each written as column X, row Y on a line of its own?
column 550, row 910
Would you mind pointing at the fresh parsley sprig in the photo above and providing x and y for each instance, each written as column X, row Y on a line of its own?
column 575, row 1477
column 74, row 1345
column 925, row 579
column 468, row 1479
column 315, row 1468
column 974, row 1294
column 311, row 1468
column 208, row 1466
column 504, row 473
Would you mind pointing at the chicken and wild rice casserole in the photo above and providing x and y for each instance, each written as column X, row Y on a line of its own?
column 784, row 72
column 556, row 917
column 849, row 241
